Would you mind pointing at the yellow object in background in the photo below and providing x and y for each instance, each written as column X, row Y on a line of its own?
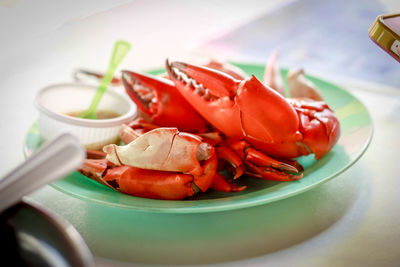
column 385, row 32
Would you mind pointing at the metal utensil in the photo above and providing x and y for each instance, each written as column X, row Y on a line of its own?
column 54, row 160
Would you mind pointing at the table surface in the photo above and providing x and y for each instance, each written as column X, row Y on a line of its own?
column 350, row 220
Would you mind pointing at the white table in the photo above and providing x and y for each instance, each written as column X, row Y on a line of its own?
column 353, row 220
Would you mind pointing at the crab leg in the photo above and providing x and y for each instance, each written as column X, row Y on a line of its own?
column 300, row 86
column 262, row 166
column 272, row 75
column 223, row 184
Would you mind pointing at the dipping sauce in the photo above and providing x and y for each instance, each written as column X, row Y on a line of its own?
column 100, row 114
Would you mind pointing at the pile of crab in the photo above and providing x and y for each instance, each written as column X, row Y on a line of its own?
column 203, row 127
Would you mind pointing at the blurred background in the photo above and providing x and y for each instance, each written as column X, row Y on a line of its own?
column 44, row 41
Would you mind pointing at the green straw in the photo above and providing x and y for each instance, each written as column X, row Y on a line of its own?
column 121, row 48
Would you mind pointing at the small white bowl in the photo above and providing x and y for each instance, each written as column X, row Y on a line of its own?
column 55, row 101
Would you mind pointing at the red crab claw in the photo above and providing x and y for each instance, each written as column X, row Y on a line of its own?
column 167, row 149
column 239, row 109
column 228, row 160
column 161, row 103
column 217, row 106
column 162, row 164
column 139, row 182
column 223, row 184
column 226, row 157
column 319, row 125
column 150, row 183
column 247, row 109
column 262, row 166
